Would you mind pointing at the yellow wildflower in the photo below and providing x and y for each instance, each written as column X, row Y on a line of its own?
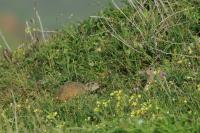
column 52, row 115
column 96, row 110
column 185, row 101
column 198, row 87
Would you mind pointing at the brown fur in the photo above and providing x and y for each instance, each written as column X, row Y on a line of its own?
column 72, row 89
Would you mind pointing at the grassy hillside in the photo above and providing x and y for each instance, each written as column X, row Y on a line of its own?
column 116, row 48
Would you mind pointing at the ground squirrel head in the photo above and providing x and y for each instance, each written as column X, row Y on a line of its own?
column 92, row 86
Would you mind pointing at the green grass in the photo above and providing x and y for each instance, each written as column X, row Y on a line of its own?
column 114, row 49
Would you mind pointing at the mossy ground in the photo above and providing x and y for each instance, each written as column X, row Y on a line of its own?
column 113, row 49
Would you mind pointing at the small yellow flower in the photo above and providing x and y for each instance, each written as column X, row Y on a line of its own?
column 52, row 115
column 171, row 82
column 96, row 110
column 198, row 87
column 98, row 103
column 112, row 94
column 119, row 98
column 180, row 62
column 89, row 118
column 27, row 30
column 91, row 64
column 188, row 77
column 55, row 113
column 60, row 126
column 131, row 98
column 18, row 105
column 26, row 101
column 189, row 112
column 99, row 49
column 157, row 108
column 105, row 104
column 35, row 110
column 146, row 88
column 134, row 104
column 185, row 101
column 167, row 112
column 190, row 50
column 132, row 114
column 120, row 91
column 139, row 96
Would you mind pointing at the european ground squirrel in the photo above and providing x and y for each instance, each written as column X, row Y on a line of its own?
column 72, row 89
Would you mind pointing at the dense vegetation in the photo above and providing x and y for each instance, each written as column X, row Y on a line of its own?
column 116, row 49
